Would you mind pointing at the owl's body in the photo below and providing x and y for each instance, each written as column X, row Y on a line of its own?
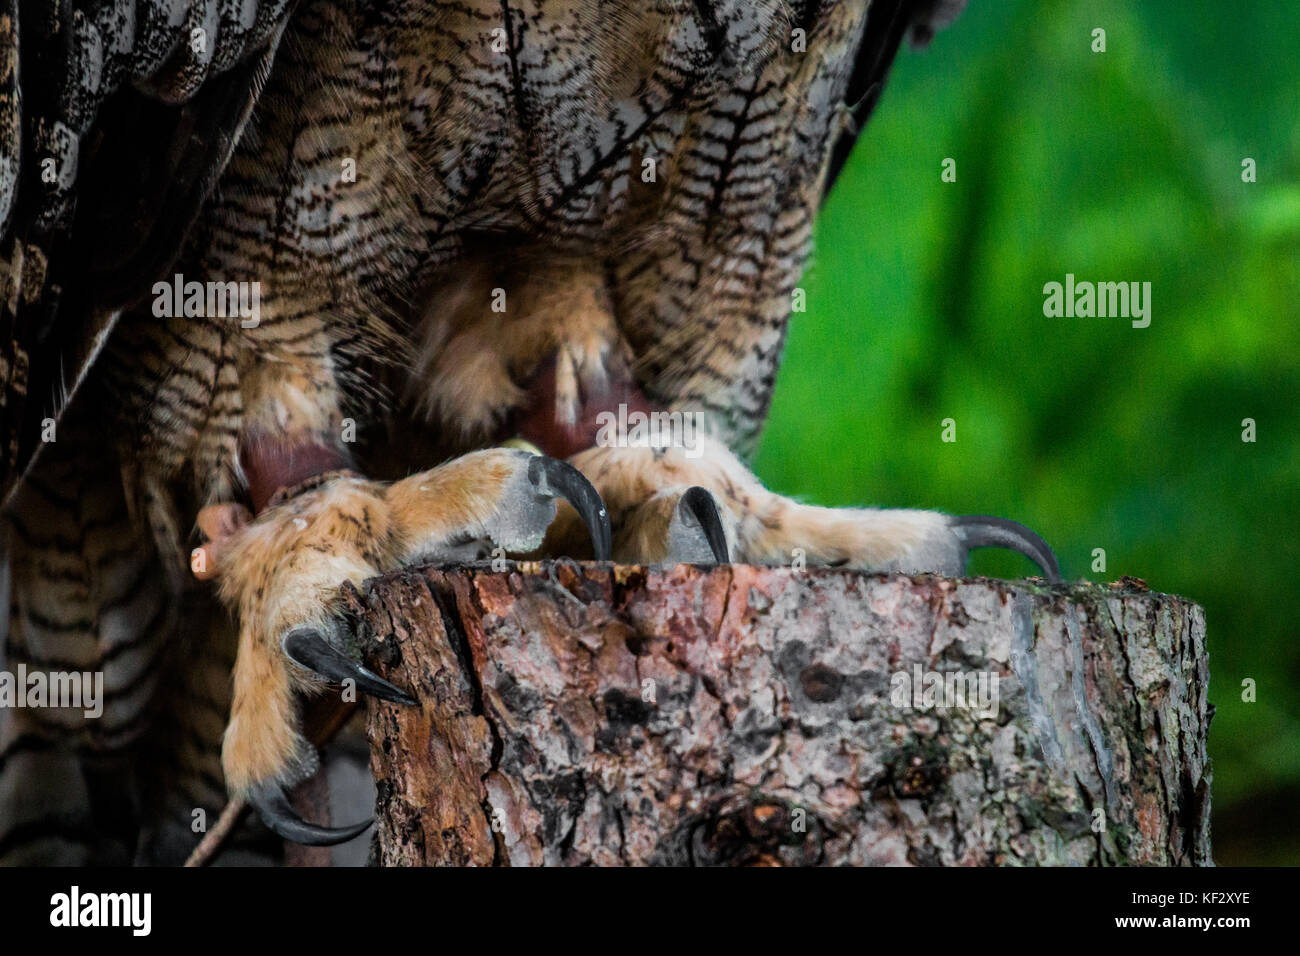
column 466, row 221
column 393, row 173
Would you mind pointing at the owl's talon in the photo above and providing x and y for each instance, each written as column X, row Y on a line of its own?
column 308, row 648
column 703, row 510
column 560, row 479
column 272, row 805
column 989, row 531
column 684, row 524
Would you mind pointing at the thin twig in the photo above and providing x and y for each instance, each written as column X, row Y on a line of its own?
column 211, row 843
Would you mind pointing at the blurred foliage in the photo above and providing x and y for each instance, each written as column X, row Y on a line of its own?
column 925, row 302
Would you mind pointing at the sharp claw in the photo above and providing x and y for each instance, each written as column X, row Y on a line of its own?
column 705, row 510
column 308, row 648
column 983, row 531
column 562, row 479
column 272, row 804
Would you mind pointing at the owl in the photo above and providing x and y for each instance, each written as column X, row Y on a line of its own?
column 297, row 293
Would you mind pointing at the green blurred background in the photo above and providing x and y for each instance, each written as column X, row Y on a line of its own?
column 925, row 302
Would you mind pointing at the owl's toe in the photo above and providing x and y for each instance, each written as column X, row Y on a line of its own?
column 700, row 504
column 500, row 498
column 676, row 526
column 281, row 572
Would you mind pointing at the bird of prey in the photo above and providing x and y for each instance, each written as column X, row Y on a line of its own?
column 296, row 293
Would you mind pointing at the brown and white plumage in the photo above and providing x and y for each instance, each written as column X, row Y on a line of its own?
column 498, row 146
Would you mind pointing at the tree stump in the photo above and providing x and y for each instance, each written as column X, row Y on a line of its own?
column 596, row 714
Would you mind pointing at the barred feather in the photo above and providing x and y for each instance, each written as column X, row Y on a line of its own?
column 501, row 139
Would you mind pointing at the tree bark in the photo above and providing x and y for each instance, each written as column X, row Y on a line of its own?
column 575, row 714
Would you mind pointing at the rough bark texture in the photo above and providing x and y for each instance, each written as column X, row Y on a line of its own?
column 740, row 715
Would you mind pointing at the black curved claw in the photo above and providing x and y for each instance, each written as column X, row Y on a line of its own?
column 560, row 478
column 308, row 648
column 272, row 804
column 705, row 510
column 987, row 531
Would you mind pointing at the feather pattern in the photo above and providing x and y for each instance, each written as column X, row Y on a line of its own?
column 373, row 166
